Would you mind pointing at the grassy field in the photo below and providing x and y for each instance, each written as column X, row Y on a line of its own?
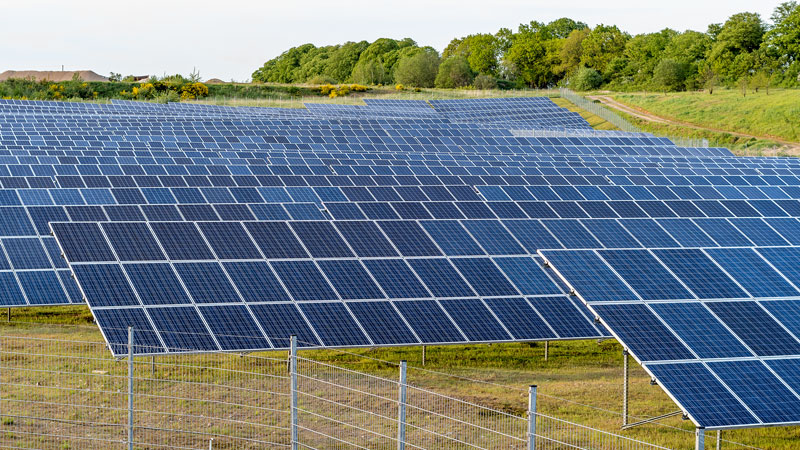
column 769, row 118
column 581, row 381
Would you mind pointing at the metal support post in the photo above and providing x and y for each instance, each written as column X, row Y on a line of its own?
column 130, row 388
column 9, row 315
column 546, row 350
column 401, row 409
column 532, row 417
column 293, row 376
column 719, row 439
column 700, row 441
column 624, row 387
column 211, row 444
column 424, row 348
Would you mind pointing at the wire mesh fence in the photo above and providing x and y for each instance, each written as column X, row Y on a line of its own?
column 66, row 393
column 619, row 122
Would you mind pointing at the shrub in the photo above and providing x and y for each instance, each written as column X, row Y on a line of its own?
column 586, row 79
column 399, row 87
column 484, row 82
column 320, row 79
column 670, row 75
column 454, row 72
column 419, row 70
column 193, row 90
column 169, row 96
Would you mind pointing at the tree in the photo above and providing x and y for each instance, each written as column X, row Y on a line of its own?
column 670, row 75
column 370, row 72
column 740, row 35
column 603, row 44
column 784, row 37
column 643, row 53
column 454, row 72
column 709, row 78
column 530, row 56
column 759, row 80
column 563, row 27
column 419, row 70
column 586, row 79
column 482, row 52
column 570, row 52
column 342, row 61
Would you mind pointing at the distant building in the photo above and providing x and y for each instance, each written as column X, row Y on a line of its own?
column 54, row 75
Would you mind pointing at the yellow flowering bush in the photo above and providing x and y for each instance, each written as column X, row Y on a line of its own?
column 399, row 87
column 193, row 90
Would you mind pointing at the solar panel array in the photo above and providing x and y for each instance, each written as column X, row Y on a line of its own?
column 410, row 222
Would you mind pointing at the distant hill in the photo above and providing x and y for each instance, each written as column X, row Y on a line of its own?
column 55, row 75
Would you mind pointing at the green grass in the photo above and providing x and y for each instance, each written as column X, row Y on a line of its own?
column 581, row 381
column 597, row 122
column 776, row 115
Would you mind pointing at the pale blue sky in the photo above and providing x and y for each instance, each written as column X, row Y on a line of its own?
column 229, row 39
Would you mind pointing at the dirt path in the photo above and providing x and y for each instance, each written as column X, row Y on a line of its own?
column 650, row 117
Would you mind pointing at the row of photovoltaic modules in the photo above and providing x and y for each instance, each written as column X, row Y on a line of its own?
column 388, row 224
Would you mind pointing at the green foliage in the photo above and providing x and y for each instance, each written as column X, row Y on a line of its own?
column 670, row 75
column 484, row 82
column 454, row 72
column 419, row 70
column 602, row 45
column 542, row 55
column 321, row 79
column 586, row 79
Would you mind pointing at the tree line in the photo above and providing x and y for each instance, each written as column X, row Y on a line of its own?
column 745, row 50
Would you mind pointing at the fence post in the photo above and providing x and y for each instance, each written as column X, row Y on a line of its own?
column 130, row 388
column 401, row 409
column 532, row 417
column 293, row 376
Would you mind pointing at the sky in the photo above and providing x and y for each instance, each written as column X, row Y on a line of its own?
column 229, row 39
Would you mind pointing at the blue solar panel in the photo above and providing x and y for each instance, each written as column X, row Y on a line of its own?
column 589, row 275
column 382, row 323
column 334, row 324
column 303, row 280
column 645, row 275
column 350, row 279
column 441, row 278
column 520, row 319
column 752, row 272
column 756, row 328
column 255, row 281
column 396, row 278
column 700, row 392
column 760, row 390
column 639, row 328
column 699, row 274
column 471, row 317
column 700, row 330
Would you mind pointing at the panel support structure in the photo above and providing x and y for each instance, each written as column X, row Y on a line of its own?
column 700, row 438
column 719, row 439
column 546, row 350
column 293, row 382
column 401, row 408
column 624, row 388
column 424, row 349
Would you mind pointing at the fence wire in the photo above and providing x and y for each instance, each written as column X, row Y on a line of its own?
column 66, row 394
column 619, row 122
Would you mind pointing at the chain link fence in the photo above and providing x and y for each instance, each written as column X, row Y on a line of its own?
column 60, row 393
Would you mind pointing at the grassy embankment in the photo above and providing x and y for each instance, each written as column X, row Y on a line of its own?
column 768, row 118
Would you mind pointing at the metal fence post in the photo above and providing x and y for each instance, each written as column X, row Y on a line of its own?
column 401, row 409
column 130, row 388
column 532, row 417
column 293, row 376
